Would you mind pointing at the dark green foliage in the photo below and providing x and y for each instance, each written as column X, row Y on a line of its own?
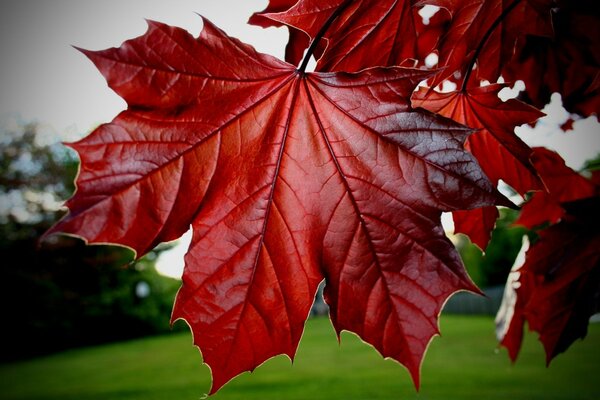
column 592, row 165
column 61, row 293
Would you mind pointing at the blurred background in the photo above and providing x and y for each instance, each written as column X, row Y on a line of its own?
column 59, row 294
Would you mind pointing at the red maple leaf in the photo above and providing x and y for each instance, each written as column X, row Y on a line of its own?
column 558, row 287
column 561, row 185
column 567, row 63
column 298, row 41
column 394, row 28
column 540, row 209
column 286, row 178
column 477, row 224
column 501, row 154
column 483, row 33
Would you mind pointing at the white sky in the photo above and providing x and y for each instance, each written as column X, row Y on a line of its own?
column 43, row 79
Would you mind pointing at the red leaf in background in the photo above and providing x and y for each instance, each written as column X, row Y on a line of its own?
column 595, row 178
column 559, row 286
column 429, row 35
column 487, row 30
column 477, row 224
column 274, row 6
column 286, row 178
column 298, row 41
column 501, row 154
column 568, row 63
column 367, row 33
column 538, row 210
column 568, row 125
column 562, row 185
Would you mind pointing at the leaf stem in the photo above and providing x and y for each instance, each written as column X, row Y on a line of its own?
column 321, row 33
column 484, row 40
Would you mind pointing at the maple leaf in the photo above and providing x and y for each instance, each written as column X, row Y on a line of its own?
column 286, row 178
column 501, row 154
column 298, row 41
column 558, row 287
column 477, row 224
column 538, row 210
column 567, row 63
column 561, row 185
column 484, row 33
column 392, row 27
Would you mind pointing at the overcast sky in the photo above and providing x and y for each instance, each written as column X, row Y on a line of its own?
column 44, row 79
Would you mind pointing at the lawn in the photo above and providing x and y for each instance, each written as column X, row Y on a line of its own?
column 463, row 364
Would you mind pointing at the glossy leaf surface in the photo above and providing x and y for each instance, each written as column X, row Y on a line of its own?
column 286, row 178
column 557, row 289
column 500, row 152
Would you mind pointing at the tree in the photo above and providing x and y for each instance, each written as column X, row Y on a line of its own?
column 62, row 293
column 289, row 177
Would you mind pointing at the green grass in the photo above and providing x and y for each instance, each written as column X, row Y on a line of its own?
column 463, row 364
